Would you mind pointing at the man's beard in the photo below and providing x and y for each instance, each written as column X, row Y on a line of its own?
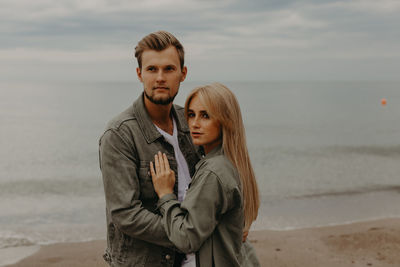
column 160, row 101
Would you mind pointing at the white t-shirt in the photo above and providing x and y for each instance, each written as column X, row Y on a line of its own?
column 184, row 179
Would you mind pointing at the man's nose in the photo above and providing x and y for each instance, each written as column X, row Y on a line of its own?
column 160, row 75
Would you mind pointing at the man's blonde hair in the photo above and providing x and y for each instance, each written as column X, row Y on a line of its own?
column 222, row 105
column 159, row 41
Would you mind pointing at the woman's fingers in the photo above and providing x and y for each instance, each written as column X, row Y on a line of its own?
column 152, row 171
column 245, row 234
column 157, row 164
column 161, row 164
column 162, row 176
column 166, row 163
column 161, row 160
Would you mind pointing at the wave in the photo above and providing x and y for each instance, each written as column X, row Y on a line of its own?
column 11, row 240
column 76, row 187
column 355, row 191
column 383, row 151
column 379, row 150
column 15, row 241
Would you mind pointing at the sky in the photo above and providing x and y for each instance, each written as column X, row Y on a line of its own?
column 224, row 40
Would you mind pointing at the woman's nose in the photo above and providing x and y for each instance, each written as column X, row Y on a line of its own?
column 195, row 123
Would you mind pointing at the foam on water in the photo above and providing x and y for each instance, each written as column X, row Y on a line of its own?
column 10, row 239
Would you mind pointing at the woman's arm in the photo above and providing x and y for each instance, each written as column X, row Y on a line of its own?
column 190, row 223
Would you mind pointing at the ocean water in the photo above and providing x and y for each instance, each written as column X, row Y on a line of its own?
column 324, row 153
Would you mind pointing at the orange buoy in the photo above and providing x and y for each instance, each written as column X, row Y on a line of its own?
column 383, row 101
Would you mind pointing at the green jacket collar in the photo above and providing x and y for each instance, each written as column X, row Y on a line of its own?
column 215, row 152
column 147, row 126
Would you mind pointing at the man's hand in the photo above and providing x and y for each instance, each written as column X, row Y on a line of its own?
column 163, row 177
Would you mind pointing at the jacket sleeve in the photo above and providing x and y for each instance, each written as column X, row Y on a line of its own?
column 190, row 223
column 122, row 190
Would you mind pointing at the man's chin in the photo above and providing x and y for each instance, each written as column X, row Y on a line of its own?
column 159, row 100
column 162, row 101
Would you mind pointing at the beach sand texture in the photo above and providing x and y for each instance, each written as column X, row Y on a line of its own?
column 374, row 243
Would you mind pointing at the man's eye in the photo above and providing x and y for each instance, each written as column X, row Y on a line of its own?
column 151, row 68
column 169, row 68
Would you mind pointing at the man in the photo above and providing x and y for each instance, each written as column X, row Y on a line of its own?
column 135, row 235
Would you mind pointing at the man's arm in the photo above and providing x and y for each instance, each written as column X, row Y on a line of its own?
column 122, row 190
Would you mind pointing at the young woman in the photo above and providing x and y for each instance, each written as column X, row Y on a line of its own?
column 222, row 200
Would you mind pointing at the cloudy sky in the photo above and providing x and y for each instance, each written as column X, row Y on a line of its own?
column 225, row 40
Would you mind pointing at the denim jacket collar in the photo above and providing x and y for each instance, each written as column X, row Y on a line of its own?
column 147, row 126
column 213, row 153
column 218, row 150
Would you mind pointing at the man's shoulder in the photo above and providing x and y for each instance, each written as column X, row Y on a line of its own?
column 121, row 128
column 129, row 115
column 124, row 117
column 179, row 110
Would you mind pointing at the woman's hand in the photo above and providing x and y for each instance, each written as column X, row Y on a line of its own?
column 244, row 237
column 163, row 177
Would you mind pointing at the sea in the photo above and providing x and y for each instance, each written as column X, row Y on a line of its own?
column 324, row 153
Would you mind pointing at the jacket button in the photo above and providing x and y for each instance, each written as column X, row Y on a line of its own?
column 167, row 257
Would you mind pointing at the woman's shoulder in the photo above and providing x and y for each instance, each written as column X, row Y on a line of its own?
column 222, row 168
column 218, row 163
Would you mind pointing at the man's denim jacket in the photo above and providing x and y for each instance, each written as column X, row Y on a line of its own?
column 135, row 234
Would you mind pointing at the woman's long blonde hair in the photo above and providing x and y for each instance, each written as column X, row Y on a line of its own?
column 222, row 105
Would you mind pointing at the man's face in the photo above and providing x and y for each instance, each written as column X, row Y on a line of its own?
column 161, row 75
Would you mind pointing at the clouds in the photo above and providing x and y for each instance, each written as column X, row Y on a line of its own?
column 369, row 6
column 244, row 39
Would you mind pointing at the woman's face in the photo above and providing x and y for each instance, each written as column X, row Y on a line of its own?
column 205, row 130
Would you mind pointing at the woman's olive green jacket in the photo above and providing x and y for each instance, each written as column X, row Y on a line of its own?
column 210, row 219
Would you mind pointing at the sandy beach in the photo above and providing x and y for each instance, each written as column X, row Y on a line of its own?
column 373, row 243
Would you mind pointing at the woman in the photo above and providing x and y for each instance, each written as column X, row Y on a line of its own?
column 222, row 200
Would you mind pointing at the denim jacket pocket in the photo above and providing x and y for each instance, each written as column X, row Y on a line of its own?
column 146, row 184
column 131, row 252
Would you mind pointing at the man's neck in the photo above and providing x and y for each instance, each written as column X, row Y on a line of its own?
column 160, row 115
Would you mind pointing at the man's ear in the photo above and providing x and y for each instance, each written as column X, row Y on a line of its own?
column 139, row 74
column 184, row 73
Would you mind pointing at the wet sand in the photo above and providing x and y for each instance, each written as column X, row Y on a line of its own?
column 373, row 243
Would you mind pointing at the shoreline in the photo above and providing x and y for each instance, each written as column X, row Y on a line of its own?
column 368, row 243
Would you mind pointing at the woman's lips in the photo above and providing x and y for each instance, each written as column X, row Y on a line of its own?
column 196, row 134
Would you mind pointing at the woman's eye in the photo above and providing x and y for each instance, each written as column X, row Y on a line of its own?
column 205, row 115
column 191, row 115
